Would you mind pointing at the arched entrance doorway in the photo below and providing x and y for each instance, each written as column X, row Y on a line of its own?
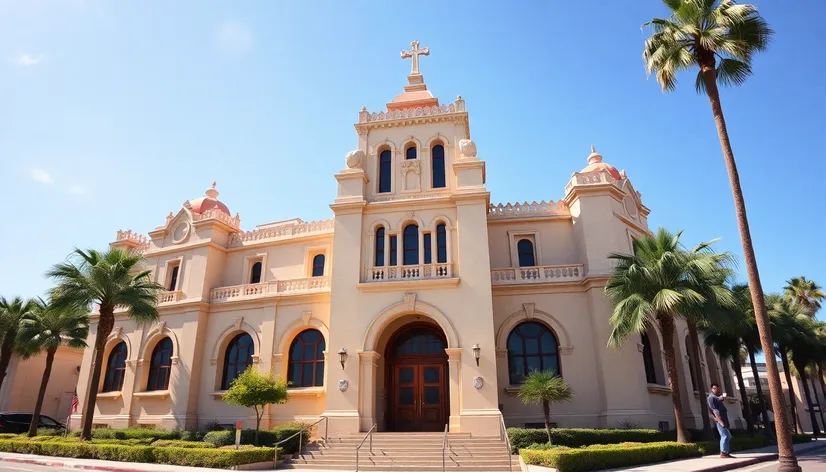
column 416, row 375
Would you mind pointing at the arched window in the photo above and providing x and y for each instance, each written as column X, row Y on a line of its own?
column 410, row 245
column 306, row 367
column 318, row 265
column 380, row 247
column 384, row 170
column 525, row 250
column 438, row 164
column 160, row 366
column 410, row 152
column 418, row 341
column 255, row 273
column 531, row 346
column 173, row 279
column 237, row 358
column 441, row 243
column 648, row 360
column 115, row 369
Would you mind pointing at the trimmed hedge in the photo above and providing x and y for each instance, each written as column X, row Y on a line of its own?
column 181, row 443
column 577, row 437
column 607, row 456
column 801, row 438
column 265, row 438
column 203, row 457
column 132, row 433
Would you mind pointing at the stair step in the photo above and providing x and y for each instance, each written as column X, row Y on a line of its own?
column 399, row 468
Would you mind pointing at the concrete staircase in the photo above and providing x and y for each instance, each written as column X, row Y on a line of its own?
column 407, row 452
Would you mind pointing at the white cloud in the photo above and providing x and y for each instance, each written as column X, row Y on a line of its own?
column 29, row 60
column 234, row 37
column 40, row 175
column 76, row 190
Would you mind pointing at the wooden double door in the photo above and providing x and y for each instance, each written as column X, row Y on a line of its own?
column 417, row 371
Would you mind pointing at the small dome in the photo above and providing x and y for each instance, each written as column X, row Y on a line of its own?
column 595, row 164
column 208, row 202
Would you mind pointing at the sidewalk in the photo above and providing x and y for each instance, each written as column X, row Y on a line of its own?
column 91, row 464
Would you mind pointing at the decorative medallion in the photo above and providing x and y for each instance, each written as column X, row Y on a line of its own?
column 478, row 382
column 180, row 232
column 342, row 385
column 467, row 148
column 630, row 206
column 355, row 159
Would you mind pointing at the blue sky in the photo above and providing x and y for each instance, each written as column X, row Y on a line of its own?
column 114, row 113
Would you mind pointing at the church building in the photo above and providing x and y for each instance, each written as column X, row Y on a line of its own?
column 421, row 304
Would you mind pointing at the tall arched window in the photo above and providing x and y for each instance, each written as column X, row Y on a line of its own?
column 255, row 273
column 524, row 248
column 410, row 152
column 441, row 243
column 438, row 164
column 380, row 247
column 160, row 366
column 318, row 265
column 173, row 278
column 237, row 358
column 385, row 161
column 306, row 365
column 115, row 369
column 410, row 245
column 648, row 360
column 531, row 346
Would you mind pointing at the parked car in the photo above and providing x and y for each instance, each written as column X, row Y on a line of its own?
column 15, row 422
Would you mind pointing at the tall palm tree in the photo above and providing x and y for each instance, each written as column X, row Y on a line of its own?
column 785, row 322
column 659, row 283
column 820, row 333
column 111, row 279
column 544, row 388
column 805, row 292
column 805, row 350
column 727, row 346
column 47, row 329
column 11, row 313
column 720, row 38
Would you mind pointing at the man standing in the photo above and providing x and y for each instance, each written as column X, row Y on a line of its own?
column 718, row 409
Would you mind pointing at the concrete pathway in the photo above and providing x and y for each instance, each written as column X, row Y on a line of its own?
column 8, row 458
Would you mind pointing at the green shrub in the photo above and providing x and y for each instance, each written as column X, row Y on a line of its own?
column 220, row 438
column 50, row 431
column 131, row 433
column 8, row 436
column 193, row 435
column 265, row 438
column 215, row 458
column 182, row 443
column 801, row 438
column 606, row 456
column 737, row 444
column 577, row 437
column 123, row 442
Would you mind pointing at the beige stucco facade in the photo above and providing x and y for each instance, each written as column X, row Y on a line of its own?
column 469, row 288
column 22, row 384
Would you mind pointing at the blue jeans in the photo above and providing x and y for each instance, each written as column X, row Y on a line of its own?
column 725, row 438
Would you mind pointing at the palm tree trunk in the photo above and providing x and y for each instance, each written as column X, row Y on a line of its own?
column 47, row 372
column 698, row 374
column 744, row 397
column 667, row 330
column 546, row 410
column 105, row 323
column 787, row 458
column 807, row 394
column 5, row 358
column 784, row 357
column 760, row 397
column 822, row 391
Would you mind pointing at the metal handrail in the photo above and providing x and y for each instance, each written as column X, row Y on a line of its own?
column 504, row 431
column 300, row 435
column 444, row 445
column 368, row 435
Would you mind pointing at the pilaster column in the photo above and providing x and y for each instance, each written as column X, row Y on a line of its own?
column 386, row 247
column 448, row 244
column 434, row 246
column 421, row 246
column 454, row 361
column 367, row 374
column 400, row 248
column 276, row 363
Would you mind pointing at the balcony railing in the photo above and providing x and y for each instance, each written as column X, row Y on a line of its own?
column 409, row 272
column 169, row 297
column 536, row 275
column 278, row 287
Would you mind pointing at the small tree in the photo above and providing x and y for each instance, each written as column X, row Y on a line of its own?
column 545, row 388
column 253, row 389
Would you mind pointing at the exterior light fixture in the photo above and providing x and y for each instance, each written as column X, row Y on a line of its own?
column 342, row 356
column 476, row 351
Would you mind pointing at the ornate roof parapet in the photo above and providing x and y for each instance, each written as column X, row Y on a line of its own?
column 281, row 231
column 600, row 177
column 217, row 214
column 413, row 112
column 528, row 210
column 131, row 240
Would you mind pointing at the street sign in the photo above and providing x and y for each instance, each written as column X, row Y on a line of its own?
column 238, row 425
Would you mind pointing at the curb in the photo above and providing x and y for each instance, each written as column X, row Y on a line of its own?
column 63, row 465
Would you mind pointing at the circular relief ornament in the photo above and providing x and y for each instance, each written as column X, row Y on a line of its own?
column 630, row 206
column 467, row 148
column 342, row 385
column 478, row 382
column 355, row 159
column 180, row 232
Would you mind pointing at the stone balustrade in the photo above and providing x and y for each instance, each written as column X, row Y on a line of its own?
column 169, row 297
column 216, row 214
column 130, row 235
column 282, row 231
column 278, row 287
column 409, row 272
column 525, row 210
column 537, row 275
column 590, row 178
column 456, row 107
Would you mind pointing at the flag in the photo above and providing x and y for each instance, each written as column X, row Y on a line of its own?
column 75, row 402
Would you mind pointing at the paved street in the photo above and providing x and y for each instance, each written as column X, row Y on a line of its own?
column 814, row 461
column 26, row 467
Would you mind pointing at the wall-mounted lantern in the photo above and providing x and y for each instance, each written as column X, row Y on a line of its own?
column 342, row 356
column 476, row 352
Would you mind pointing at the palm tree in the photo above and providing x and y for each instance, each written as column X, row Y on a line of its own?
column 720, row 38
column 544, row 388
column 11, row 313
column 820, row 332
column 805, row 350
column 727, row 346
column 46, row 329
column 659, row 283
column 751, row 341
column 785, row 321
column 111, row 279
column 805, row 292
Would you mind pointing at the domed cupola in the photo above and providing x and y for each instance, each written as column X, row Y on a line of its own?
column 595, row 164
column 208, row 202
